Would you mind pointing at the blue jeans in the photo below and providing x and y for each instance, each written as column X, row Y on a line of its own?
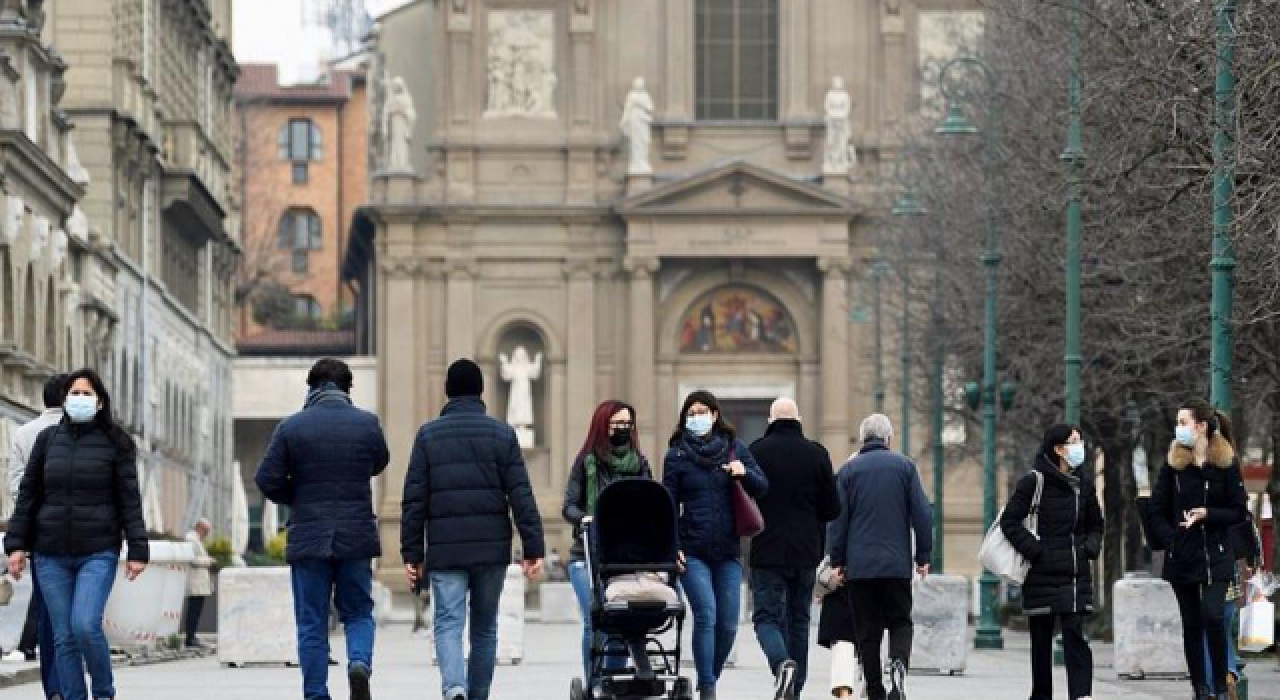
column 782, row 599
column 348, row 583
column 75, row 590
column 45, row 643
column 582, row 590
column 1233, row 661
column 450, row 590
column 714, row 591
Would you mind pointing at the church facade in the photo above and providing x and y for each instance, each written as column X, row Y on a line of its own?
column 631, row 199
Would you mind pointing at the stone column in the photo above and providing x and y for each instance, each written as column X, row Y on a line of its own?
column 642, row 377
column 460, row 340
column 893, row 35
column 835, row 358
column 794, row 23
column 680, row 59
column 581, row 348
column 398, row 372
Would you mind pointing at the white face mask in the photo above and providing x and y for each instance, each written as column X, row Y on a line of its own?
column 699, row 424
column 1075, row 454
column 1185, row 435
column 80, row 408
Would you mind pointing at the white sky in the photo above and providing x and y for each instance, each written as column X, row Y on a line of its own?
column 270, row 31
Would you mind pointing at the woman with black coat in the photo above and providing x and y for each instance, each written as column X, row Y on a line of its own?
column 1068, row 537
column 79, row 501
column 1198, row 498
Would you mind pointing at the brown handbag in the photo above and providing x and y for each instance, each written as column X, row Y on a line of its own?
column 747, row 520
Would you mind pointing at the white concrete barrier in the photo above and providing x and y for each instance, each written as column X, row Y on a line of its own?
column 143, row 611
column 1147, row 627
column 255, row 617
column 558, row 604
column 940, row 612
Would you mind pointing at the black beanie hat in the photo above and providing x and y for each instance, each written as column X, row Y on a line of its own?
column 464, row 378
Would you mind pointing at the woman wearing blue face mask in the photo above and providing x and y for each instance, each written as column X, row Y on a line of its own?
column 703, row 461
column 1198, row 498
column 1068, row 537
column 79, row 500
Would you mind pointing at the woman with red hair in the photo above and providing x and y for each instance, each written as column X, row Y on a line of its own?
column 610, row 452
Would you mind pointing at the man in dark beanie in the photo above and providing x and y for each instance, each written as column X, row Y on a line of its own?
column 467, row 482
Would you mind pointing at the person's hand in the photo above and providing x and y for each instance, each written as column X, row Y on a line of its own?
column 1193, row 516
column 17, row 562
column 134, row 569
column 923, row 570
column 532, row 567
column 735, row 468
column 837, row 576
column 414, row 573
column 680, row 561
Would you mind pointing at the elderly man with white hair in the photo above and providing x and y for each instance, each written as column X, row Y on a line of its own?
column 882, row 504
column 784, row 558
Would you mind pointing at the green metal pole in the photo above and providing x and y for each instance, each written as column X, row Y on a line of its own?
column 989, row 634
column 1224, row 256
column 939, row 454
column 877, row 274
column 1074, row 157
column 905, row 429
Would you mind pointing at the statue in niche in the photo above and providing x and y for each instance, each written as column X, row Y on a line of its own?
column 11, row 220
column 839, row 156
column 637, row 126
column 399, row 118
column 520, row 67
column 521, row 373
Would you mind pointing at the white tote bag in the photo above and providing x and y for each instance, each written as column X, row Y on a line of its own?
column 998, row 556
column 1257, row 626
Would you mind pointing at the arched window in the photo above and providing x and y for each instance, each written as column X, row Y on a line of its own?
column 300, row 233
column 737, row 59
column 299, row 142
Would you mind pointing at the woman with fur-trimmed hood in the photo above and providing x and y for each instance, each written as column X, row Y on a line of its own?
column 1199, row 496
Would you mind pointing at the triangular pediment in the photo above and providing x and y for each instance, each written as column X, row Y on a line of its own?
column 736, row 188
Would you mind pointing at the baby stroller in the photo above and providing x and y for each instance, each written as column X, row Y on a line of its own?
column 633, row 532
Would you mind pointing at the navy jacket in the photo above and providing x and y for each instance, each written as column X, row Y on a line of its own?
column 467, row 481
column 702, row 493
column 881, row 503
column 319, row 464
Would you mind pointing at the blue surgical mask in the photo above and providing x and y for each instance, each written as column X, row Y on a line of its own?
column 699, row 424
column 1185, row 435
column 81, row 409
column 1075, row 454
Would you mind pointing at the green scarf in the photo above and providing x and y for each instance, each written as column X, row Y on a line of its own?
column 623, row 462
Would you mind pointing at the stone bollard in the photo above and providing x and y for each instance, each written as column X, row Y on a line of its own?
column 255, row 616
column 940, row 611
column 1148, row 628
column 559, row 604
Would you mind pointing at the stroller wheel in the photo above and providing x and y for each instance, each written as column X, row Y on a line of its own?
column 576, row 691
column 682, row 690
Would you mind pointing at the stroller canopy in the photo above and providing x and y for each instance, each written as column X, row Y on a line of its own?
column 635, row 523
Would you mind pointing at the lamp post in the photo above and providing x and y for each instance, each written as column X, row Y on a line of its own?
column 1073, row 156
column 1224, row 257
column 937, row 399
column 989, row 634
column 907, row 207
column 878, row 270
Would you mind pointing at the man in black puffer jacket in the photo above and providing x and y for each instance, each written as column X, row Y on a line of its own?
column 319, row 463
column 466, row 482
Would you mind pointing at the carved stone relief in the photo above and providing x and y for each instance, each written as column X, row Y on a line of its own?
column 11, row 219
column 39, row 237
column 521, row 64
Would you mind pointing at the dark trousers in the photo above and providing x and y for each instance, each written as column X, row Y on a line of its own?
column 191, row 622
column 780, row 613
column 1076, row 653
column 878, row 605
column 1202, row 610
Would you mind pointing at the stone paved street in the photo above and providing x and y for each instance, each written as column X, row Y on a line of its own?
column 403, row 673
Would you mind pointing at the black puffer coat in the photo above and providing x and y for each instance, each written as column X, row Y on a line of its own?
column 467, row 482
column 79, row 495
column 1069, row 537
column 693, row 473
column 1202, row 553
